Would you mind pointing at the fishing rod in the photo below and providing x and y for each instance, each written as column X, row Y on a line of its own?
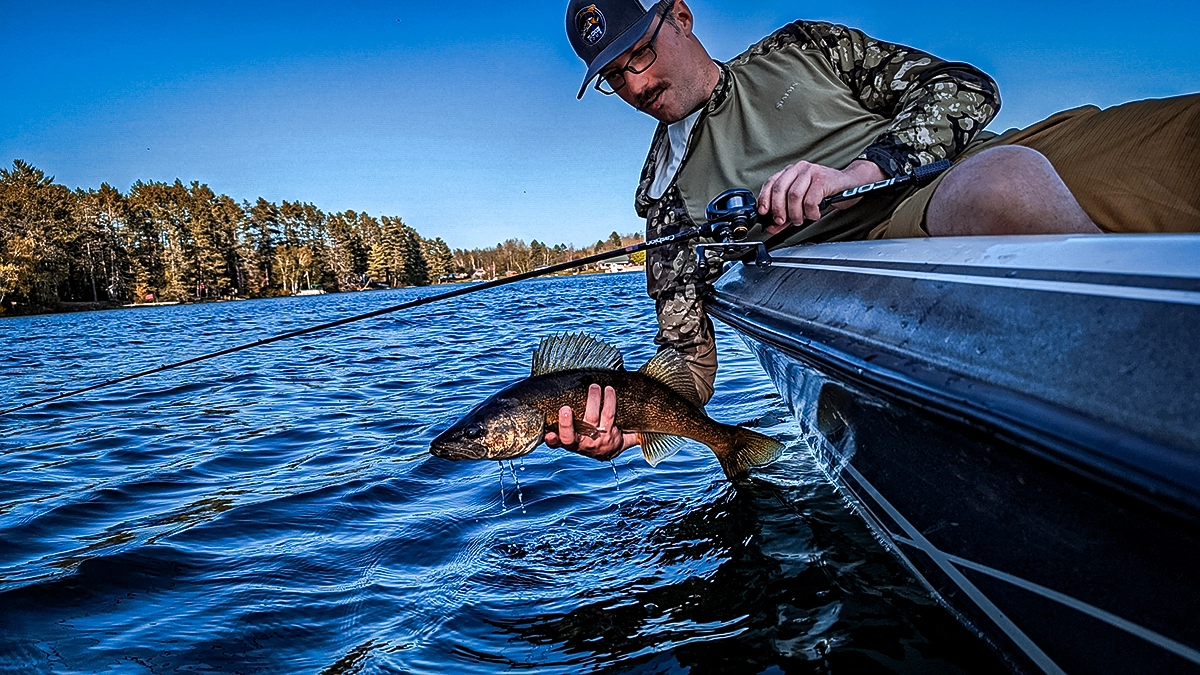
column 707, row 229
column 729, row 219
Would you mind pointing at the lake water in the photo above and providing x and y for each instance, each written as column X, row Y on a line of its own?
column 277, row 511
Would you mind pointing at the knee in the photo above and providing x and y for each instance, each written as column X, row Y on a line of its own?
column 1005, row 190
column 999, row 190
column 1007, row 178
column 1012, row 159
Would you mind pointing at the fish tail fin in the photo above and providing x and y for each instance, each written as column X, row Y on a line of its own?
column 746, row 449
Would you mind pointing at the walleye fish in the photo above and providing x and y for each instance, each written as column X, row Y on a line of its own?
column 659, row 402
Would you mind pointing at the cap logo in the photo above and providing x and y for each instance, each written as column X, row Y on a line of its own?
column 590, row 23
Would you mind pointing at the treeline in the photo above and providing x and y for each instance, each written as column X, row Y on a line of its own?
column 516, row 256
column 176, row 242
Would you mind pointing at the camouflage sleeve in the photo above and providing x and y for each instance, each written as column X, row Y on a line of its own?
column 937, row 106
column 678, row 287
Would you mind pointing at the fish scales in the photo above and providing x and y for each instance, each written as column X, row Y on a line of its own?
column 645, row 404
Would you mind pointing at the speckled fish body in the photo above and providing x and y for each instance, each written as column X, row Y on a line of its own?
column 658, row 402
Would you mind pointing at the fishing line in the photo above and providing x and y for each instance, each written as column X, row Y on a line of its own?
column 729, row 218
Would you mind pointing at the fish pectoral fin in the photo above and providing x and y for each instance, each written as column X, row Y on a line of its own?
column 575, row 351
column 748, row 448
column 657, row 447
column 669, row 367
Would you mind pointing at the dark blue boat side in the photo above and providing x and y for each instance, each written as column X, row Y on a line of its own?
column 1018, row 418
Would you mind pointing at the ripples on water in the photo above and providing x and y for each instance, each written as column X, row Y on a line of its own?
column 277, row 511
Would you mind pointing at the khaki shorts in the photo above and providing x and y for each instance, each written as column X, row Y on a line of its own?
column 1133, row 167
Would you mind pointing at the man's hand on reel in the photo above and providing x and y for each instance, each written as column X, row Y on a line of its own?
column 794, row 194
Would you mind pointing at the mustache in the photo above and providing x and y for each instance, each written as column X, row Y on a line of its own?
column 648, row 96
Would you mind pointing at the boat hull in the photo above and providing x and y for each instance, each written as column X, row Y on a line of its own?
column 1016, row 418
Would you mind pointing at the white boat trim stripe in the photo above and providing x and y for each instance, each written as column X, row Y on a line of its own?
column 1124, row 292
column 919, row 541
column 1146, row 634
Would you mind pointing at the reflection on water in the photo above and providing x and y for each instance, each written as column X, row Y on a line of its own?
column 277, row 511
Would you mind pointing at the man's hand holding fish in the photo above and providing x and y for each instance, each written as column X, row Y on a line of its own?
column 600, row 412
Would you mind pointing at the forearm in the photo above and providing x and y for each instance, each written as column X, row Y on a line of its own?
column 937, row 107
column 702, row 361
column 938, row 120
column 683, row 325
column 678, row 287
column 864, row 172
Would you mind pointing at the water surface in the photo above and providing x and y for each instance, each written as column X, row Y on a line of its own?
column 276, row 511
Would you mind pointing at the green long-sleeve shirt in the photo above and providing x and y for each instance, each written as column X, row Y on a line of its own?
column 913, row 107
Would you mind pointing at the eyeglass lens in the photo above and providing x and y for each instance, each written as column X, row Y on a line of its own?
column 638, row 62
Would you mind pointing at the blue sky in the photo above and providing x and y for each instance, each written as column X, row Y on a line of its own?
column 461, row 117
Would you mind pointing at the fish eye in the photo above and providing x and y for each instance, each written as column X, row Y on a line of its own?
column 474, row 432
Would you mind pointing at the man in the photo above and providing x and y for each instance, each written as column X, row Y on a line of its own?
column 816, row 108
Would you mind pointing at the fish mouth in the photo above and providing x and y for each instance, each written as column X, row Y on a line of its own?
column 456, row 452
column 520, row 452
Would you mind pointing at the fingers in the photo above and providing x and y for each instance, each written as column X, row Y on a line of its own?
column 566, row 426
column 784, row 184
column 600, row 412
column 797, row 197
column 764, row 195
column 608, row 411
column 591, row 410
column 794, row 194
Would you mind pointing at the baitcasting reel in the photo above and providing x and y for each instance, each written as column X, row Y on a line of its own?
column 729, row 219
column 731, row 215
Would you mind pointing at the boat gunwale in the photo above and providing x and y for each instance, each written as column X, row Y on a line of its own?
column 1105, row 454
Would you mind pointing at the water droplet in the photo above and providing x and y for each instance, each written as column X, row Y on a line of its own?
column 502, row 504
column 522, row 463
column 520, row 497
column 614, row 468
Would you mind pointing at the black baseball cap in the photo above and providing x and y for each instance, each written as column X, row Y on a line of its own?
column 602, row 30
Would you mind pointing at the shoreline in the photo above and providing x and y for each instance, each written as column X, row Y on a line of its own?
column 104, row 306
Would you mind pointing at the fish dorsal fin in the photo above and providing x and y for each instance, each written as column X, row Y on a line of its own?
column 669, row 367
column 657, row 447
column 575, row 351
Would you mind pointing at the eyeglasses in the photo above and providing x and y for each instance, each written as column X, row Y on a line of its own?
column 638, row 62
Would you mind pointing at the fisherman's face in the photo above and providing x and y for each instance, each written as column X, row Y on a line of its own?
column 671, row 87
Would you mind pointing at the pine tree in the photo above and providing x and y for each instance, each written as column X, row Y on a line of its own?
column 539, row 255
column 37, row 235
column 103, row 217
column 347, row 254
column 165, row 241
column 231, row 218
column 259, row 233
column 438, row 259
column 416, row 268
column 214, row 237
